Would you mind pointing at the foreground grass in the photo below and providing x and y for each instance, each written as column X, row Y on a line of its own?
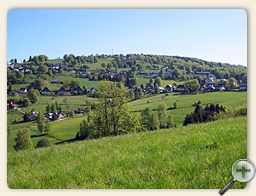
column 174, row 158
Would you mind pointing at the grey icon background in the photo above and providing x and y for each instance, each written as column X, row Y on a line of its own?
column 243, row 170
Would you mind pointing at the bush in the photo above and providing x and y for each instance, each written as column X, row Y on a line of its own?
column 85, row 129
column 43, row 143
column 175, row 105
column 23, row 140
column 33, row 95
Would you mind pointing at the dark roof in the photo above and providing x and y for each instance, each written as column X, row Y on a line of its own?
column 46, row 89
column 181, row 86
column 78, row 88
column 61, row 89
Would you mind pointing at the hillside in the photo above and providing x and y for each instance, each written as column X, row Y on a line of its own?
column 183, row 157
column 67, row 128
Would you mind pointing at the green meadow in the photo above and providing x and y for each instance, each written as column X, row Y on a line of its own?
column 193, row 157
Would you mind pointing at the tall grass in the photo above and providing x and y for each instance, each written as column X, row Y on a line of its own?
column 196, row 156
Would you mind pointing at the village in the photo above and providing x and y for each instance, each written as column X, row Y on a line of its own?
column 205, row 82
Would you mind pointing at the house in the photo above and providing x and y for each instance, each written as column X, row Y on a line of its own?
column 210, row 81
column 181, row 88
column 77, row 90
column 210, row 88
column 220, row 87
column 168, row 74
column 46, row 91
column 23, row 90
column 169, row 88
column 81, row 110
column 243, row 87
column 28, row 117
column 161, row 89
column 11, row 106
column 82, row 75
column 153, row 75
column 142, row 74
column 93, row 91
column 55, row 115
column 62, row 92
column 204, row 75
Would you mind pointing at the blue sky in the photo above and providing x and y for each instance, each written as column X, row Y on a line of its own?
column 210, row 34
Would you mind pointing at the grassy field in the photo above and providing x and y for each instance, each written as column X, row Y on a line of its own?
column 67, row 129
column 197, row 156
column 229, row 99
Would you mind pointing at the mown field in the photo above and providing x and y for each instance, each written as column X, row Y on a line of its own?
column 196, row 156
column 67, row 128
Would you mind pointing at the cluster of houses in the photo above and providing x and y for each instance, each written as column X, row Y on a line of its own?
column 64, row 92
column 210, row 84
column 52, row 116
column 20, row 68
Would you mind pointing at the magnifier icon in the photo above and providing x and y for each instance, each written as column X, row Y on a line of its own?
column 243, row 170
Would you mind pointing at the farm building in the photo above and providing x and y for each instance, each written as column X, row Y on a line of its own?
column 55, row 115
column 78, row 90
column 169, row 88
column 62, row 92
column 46, row 91
column 11, row 105
column 181, row 88
column 23, row 90
column 243, row 87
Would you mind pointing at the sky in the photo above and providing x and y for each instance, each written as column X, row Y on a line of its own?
column 211, row 34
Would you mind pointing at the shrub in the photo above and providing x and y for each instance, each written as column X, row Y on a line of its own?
column 175, row 105
column 23, row 140
column 170, row 121
column 43, row 143
column 84, row 132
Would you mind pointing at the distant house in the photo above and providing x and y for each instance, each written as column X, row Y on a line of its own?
column 77, row 90
column 55, row 115
column 93, row 91
column 151, row 90
column 161, row 89
column 204, row 75
column 181, row 88
column 220, row 87
column 243, row 87
column 81, row 110
column 210, row 81
column 11, row 106
column 169, row 88
column 210, row 88
column 142, row 74
column 82, row 75
column 23, row 90
column 28, row 117
column 153, row 74
column 62, row 92
column 168, row 74
column 46, row 91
